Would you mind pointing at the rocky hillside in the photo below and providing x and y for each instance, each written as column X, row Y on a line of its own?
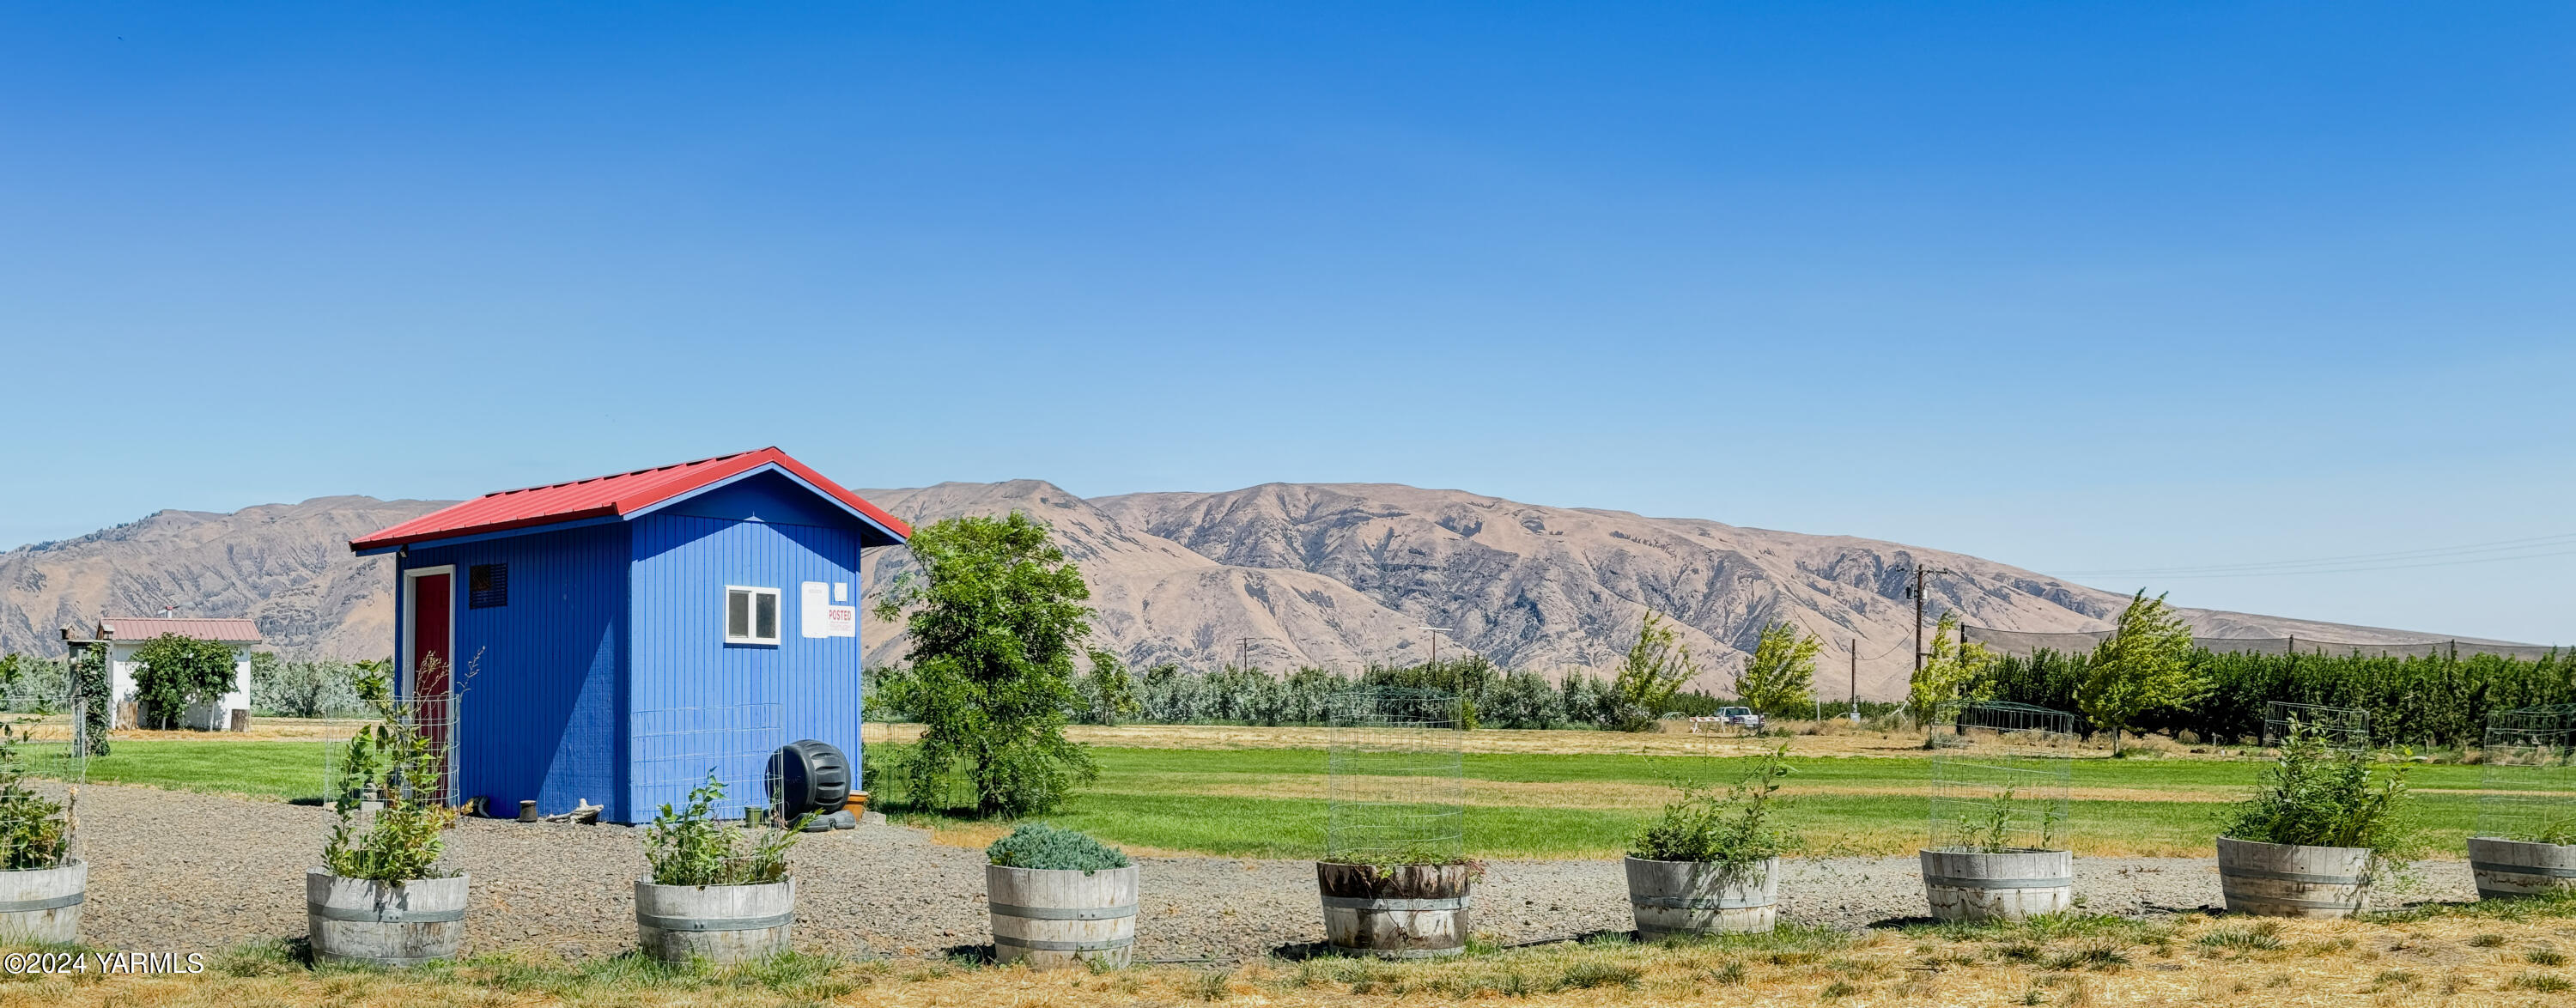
column 1330, row 574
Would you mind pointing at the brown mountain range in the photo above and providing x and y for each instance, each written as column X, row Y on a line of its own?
column 1328, row 574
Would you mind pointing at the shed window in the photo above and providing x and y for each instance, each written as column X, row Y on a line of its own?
column 487, row 586
column 751, row 615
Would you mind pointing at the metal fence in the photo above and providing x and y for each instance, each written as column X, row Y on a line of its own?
column 2340, row 727
column 677, row 749
column 433, row 720
column 2528, row 790
column 1396, row 778
column 2021, row 642
column 47, row 755
column 2002, row 782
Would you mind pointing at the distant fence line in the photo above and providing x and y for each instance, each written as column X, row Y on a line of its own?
column 2023, row 643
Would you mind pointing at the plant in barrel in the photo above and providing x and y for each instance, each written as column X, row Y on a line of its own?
column 1395, row 877
column 2525, row 841
column 1710, row 863
column 716, row 888
column 42, row 881
column 381, row 896
column 1060, row 898
column 1996, row 837
column 2321, row 827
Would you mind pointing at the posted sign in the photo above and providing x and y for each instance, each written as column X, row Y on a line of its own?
column 824, row 618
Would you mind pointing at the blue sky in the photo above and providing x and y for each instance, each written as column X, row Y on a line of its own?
column 2076, row 287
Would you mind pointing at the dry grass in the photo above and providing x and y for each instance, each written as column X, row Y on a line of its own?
column 2459, row 958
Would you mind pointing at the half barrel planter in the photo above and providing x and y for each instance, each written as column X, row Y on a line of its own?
column 42, row 906
column 373, row 923
column 2508, row 868
column 1702, row 897
column 1048, row 917
column 1404, row 912
column 716, row 923
column 2291, row 880
column 1973, row 885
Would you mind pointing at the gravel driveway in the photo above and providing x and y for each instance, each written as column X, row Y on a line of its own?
column 181, row 872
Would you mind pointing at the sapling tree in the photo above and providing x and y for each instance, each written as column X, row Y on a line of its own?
column 173, row 672
column 403, row 768
column 1657, row 666
column 1733, row 829
column 1950, row 673
column 1108, row 692
column 996, row 616
column 691, row 846
column 1780, row 675
column 2143, row 667
column 2316, row 795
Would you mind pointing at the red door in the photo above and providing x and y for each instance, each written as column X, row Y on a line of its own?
column 432, row 668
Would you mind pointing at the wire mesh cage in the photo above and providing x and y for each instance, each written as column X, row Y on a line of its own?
column 1396, row 777
column 681, row 748
column 2002, row 784
column 2528, row 788
column 2339, row 727
column 431, row 721
column 44, row 759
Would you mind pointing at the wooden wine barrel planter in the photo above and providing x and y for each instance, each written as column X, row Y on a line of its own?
column 1407, row 912
column 2507, row 868
column 1047, row 917
column 1972, row 885
column 717, row 923
column 384, row 923
column 2287, row 880
column 43, row 906
column 1699, row 897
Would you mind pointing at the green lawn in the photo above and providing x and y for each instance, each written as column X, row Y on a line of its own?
column 1270, row 802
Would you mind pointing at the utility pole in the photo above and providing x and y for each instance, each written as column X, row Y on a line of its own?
column 1246, row 663
column 1917, row 593
column 1436, row 631
column 1855, row 680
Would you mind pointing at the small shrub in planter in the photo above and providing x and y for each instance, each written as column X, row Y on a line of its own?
column 37, row 872
column 718, row 889
column 381, row 897
column 1710, row 863
column 1060, row 898
column 2324, row 825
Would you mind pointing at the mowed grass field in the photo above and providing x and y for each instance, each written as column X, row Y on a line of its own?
column 1271, row 802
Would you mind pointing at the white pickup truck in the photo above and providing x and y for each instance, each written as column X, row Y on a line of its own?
column 1729, row 717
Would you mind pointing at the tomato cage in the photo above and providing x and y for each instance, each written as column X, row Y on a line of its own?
column 2342, row 728
column 2001, row 781
column 1395, row 778
column 2528, row 786
column 44, row 759
column 366, row 773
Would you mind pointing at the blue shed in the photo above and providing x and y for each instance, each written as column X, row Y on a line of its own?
column 614, row 639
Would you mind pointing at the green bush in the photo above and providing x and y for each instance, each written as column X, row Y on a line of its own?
column 35, row 831
column 690, row 846
column 173, row 673
column 1734, row 829
column 2315, row 796
column 395, row 763
column 1039, row 845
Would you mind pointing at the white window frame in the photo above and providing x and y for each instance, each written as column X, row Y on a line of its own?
column 751, row 619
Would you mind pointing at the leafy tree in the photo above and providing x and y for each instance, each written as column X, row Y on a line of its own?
column 2144, row 666
column 304, row 688
column 1108, row 693
column 1524, row 700
column 1949, row 673
column 1780, row 676
column 1656, row 668
column 996, row 617
column 173, row 672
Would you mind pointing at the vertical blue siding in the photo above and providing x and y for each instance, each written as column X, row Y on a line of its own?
column 540, row 717
column 682, row 565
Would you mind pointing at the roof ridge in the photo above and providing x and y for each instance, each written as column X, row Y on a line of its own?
column 630, row 472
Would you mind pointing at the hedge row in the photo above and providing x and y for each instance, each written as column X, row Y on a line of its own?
column 2422, row 700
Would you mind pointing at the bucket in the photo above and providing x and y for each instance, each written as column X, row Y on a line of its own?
column 1973, row 885
column 2507, row 868
column 1700, row 897
column 383, row 923
column 42, row 906
column 1050, row 917
column 1404, row 912
column 2289, row 880
column 717, row 923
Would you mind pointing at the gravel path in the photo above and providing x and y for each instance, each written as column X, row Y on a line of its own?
column 181, row 872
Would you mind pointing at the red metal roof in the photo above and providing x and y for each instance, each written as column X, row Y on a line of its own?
column 606, row 496
column 228, row 631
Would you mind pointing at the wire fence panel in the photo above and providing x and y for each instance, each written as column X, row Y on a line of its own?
column 676, row 749
column 2529, row 782
column 47, row 739
column 1396, row 778
column 2025, row 642
column 2340, row 727
column 2001, row 780
column 433, row 719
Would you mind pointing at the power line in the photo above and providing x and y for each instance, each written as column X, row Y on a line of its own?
column 2440, row 556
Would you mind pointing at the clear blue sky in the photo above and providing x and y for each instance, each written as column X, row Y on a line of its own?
column 2071, row 286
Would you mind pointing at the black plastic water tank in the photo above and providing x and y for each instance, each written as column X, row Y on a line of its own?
column 809, row 776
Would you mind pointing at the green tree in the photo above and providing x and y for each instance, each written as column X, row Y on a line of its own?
column 1108, row 692
column 173, row 672
column 996, row 617
column 96, row 689
column 1950, row 673
column 2143, row 667
column 1780, row 675
column 1657, row 666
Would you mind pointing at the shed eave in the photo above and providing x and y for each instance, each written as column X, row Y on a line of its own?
column 866, row 521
